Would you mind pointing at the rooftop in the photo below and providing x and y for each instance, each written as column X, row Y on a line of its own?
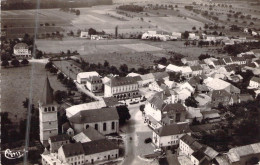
column 173, row 129
column 95, row 115
column 98, row 146
column 120, row 81
column 58, row 138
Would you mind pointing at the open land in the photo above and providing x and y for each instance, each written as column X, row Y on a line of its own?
column 19, row 90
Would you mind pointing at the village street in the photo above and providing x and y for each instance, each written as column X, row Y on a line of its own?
column 134, row 133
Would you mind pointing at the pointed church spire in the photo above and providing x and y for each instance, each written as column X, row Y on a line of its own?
column 47, row 95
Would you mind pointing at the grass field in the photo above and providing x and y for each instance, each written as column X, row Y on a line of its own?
column 16, row 87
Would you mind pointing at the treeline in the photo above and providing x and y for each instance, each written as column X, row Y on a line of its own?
column 106, row 68
column 240, row 48
column 53, row 4
column 132, row 8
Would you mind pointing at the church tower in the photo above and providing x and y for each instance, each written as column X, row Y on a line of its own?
column 47, row 114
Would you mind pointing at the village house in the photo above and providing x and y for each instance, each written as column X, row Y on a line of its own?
column 122, row 88
column 84, row 35
column 218, row 84
column 198, row 154
column 189, row 145
column 57, row 141
column 242, row 154
column 92, row 81
column 82, row 153
column 104, row 120
column 193, row 114
column 169, row 135
column 151, row 77
column 220, row 97
column 196, row 70
column 191, row 61
column 173, row 68
column 155, row 104
column 158, row 86
column 21, row 50
column 173, row 113
column 67, row 129
column 211, row 116
column 88, row 134
column 254, row 82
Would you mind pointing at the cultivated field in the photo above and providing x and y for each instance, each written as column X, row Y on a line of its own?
column 16, row 84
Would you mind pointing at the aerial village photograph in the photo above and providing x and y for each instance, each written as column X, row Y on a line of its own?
column 130, row 82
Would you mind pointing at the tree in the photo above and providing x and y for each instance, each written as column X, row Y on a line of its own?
column 49, row 65
column 53, row 70
column 106, row 64
column 185, row 35
column 59, row 96
column 25, row 62
column 203, row 56
column 92, row 31
column 191, row 102
column 5, row 63
column 60, row 76
column 26, row 103
column 77, row 12
column 83, row 97
column 193, row 28
column 142, row 107
column 123, row 113
column 124, row 68
column 15, row 62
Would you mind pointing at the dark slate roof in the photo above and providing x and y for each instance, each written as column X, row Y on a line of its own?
column 95, row 115
column 196, row 68
column 98, row 146
column 111, row 101
column 194, row 145
column 233, row 67
column 156, row 101
column 245, row 97
column 93, row 134
column 21, row 46
column 173, row 129
column 256, row 79
column 58, row 138
column 66, row 126
column 174, row 107
column 194, row 81
column 160, row 75
column 94, row 78
column 211, row 67
column 120, row 81
column 47, row 95
column 199, row 155
column 220, row 93
column 73, row 149
column 227, row 60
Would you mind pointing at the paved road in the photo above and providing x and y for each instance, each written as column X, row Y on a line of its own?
column 131, row 156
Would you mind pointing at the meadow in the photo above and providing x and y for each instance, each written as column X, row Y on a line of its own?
column 16, row 88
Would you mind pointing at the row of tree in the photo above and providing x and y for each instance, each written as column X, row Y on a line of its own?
column 14, row 63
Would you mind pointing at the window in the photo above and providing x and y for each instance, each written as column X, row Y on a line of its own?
column 49, row 109
column 53, row 109
column 104, row 126
column 45, row 109
column 50, row 131
column 49, row 123
column 96, row 127
column 113, row 125
column 87, row 126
